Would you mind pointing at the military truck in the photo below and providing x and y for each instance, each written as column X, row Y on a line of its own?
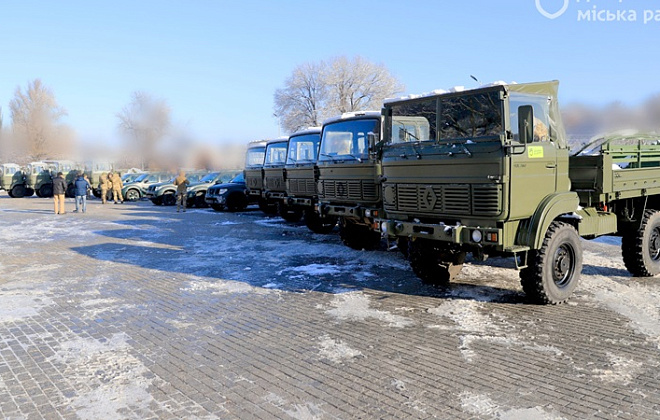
column 164, row 193
column 135, row 190
column 301, row 178
column 348, row 180
column 493, row 176
column 274, row 191
column 94, row 169
column 254, row 174
column 13, row 180
column 39, row 179
column 196, row 192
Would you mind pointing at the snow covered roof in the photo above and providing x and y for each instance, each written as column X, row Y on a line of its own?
column 350, row 115
column 308, row 130
column 450, row 90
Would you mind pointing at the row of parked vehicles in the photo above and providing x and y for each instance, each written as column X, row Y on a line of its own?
column 484, row 171
column 36, row 178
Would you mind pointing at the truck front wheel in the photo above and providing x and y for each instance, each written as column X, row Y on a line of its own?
column 318, row 224
column 18, row 191
column 358, row 236
column 641, row 247
column 553, row 271
column 434, row 263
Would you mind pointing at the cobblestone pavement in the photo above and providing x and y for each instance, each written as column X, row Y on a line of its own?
column 136, row 311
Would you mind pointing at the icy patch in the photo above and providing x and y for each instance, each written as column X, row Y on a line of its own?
column 640, row 304
column 336, row 350
column 621, row 370
column 354, row 306
column 478, row 326
column 115, row 378
column 482, row 405
column 42, row 230
column 17, row 305
column 305, row 411
column 223, row 287
column 227, row 223
column 315, row 269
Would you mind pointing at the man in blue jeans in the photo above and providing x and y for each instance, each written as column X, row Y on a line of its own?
column 80, row 186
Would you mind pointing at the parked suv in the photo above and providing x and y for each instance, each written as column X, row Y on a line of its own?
column 138, row 188
column 231, row 195
column 197, row 190
column 164, row 193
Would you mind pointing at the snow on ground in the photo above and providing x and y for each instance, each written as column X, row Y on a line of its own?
column 116, row 379
column 485, row 407
column 355, row 306
column 336, row 351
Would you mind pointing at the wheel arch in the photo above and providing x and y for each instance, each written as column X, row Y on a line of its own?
column 550, row 209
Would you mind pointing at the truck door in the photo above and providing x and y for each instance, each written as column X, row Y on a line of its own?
column 534, row 171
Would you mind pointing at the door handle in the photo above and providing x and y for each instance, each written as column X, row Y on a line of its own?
column 551, row 165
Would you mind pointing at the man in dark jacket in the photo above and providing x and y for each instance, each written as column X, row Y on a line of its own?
column 81, row 186
column 59, row 188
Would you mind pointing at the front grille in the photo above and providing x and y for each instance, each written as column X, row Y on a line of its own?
column 350, row 190
column 301, row 186
column 274, row 183
column 459, row 199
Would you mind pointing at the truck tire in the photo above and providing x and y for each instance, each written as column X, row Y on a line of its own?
column 70, row 191
column 641, row 248
column 46, row 190
column 29, row 192
column 358, row 236
column 553, row 271
column 236, row 202
column 132, row 195
column 288, row 213
column 318, row 224
column 18, row 191
column 434, row 263
column 267, row 207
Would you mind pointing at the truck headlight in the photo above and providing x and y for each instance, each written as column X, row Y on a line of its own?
column 383, row 227
column 477, row 236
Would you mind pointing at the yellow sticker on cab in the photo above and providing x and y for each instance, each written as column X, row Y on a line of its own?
column 535, row 152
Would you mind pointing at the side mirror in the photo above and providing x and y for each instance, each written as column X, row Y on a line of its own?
column 526, row 123
column 371, row 139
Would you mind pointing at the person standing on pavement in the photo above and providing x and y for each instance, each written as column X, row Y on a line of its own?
column 116, row 187
column 104, row 185
column 181, row 183
column 80, row 186
column 59, row 188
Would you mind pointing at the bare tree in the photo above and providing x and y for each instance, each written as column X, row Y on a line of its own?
column 301, row 102
column 316, row 91
column 357, row 85
column 145, row 121
column 35, row 117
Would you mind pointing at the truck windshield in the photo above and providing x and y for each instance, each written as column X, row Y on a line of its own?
column 303, row 148
column 468, row 116
column 275, row 154
column 255, row 157
column 348, row 139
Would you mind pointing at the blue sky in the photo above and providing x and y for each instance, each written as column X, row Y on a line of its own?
column 218, row 63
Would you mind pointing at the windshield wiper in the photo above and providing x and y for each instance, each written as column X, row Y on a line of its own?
column 327, row 155
column 405, row 130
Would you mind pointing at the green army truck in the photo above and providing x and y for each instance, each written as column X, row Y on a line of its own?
column 493, row 176
column 13, row 180
column 274, row 192
column 94, row 169
column 348, row 176
column 301, row 178
column 39, row 179
column 254, row 174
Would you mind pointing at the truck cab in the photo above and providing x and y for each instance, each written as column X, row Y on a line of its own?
column 274, row 190
column 254, row 174
column 302, row 176
column 489, row 175
column 349, row 176
column 13, row 180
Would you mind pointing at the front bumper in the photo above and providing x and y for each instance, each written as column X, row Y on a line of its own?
column 456, row 234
